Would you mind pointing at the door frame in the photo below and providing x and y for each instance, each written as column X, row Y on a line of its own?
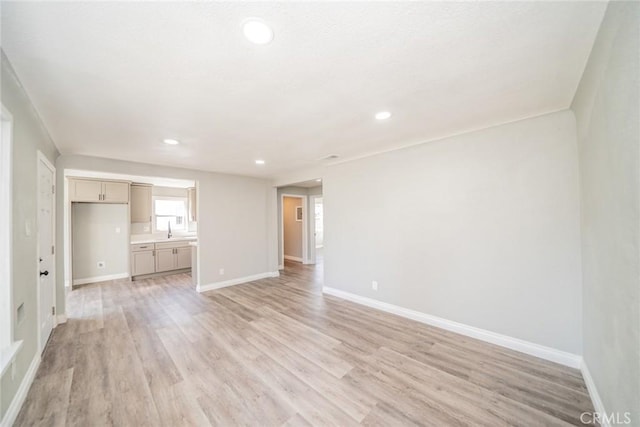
column 312, row 226
column 41, row 158
column 6, row 221
column 305, row 239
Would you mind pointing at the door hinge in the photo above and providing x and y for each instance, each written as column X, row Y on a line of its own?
column 53, row 250
column 53, row 189
column 53, row 311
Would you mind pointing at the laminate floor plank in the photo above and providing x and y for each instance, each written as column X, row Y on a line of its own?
column 277, row 352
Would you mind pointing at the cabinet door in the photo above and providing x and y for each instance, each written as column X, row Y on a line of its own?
column 183, row 256
column 115, row 192
column 142, row 262
column 85, row 190
column 165, row 260
column 141, row 203
column 192, row 204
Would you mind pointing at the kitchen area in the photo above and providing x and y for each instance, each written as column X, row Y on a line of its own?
column 125, row 227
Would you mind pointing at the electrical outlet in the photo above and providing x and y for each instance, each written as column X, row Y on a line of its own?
column 374, row 285
column 117, row 230
column 147, row 228
column 222, row 271
column 101, row 264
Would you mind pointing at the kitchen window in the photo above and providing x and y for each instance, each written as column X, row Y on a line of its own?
column 170, row 210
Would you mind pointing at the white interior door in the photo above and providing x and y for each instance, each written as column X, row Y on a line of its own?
column 46, row 282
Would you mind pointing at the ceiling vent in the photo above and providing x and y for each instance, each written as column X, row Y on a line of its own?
column 330, row 157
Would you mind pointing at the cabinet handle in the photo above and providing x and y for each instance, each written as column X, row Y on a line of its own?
column 154, row 253
column 143, row 247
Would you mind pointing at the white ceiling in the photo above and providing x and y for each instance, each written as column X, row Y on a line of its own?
column 112, row 79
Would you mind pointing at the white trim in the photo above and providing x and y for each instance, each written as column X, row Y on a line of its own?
column 8, row 355
column 598, row 406
column 96, row 279
column 41, row 158
column 61, row 318
column 281, row 267
column 6, row 229
column 238, row 281
column 293, row 258
column 305, row 236
column 543, row 352
column 20, row 396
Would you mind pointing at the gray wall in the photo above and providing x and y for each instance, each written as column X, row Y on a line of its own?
column 292, row 235
column 29, row 135
column 233, row 213
column 100, row 233
column 607, row 115
column 481, row 228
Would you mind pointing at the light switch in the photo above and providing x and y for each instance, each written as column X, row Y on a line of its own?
column 117, row 230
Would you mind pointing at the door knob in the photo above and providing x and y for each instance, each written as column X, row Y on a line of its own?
column 44, row 273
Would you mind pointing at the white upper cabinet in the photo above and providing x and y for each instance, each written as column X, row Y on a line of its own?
column 141, row 203
column 84, row 190
column 90, row 190
column 115, row 192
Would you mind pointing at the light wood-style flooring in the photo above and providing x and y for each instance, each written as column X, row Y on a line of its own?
column 277, row 352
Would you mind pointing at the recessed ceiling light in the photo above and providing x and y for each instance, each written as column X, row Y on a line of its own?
column 259, row 162
column 257, row 31
column 383, row 115
column 319, row 180
column 171, row 141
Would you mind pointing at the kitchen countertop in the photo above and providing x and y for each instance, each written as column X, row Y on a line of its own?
column 163, row 240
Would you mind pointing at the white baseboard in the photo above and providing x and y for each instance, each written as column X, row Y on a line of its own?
column 61, row 318
column 293, row 258
column 281, row 267
column 598, row 406
column 543, row 352
column 96, row 279
column 238, row 281
column 16, row 404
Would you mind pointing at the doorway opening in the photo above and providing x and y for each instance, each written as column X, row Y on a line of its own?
column 301, row 231
column 294, row 236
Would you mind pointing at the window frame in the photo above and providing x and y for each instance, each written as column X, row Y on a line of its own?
column 8, row 347
column 185, row 200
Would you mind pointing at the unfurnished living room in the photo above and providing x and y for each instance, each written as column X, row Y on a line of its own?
column 314, row 213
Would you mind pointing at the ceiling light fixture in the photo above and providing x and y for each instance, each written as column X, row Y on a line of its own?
column 257, row 31
column 259, row 162
column 319, row 180
column 383, row 115
column 171, row 141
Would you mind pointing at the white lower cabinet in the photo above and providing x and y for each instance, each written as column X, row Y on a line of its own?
column 151, row 258
column 142, row 262
column 165, row 260
column 183, row 257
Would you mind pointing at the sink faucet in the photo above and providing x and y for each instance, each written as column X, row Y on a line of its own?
column 169, row 232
